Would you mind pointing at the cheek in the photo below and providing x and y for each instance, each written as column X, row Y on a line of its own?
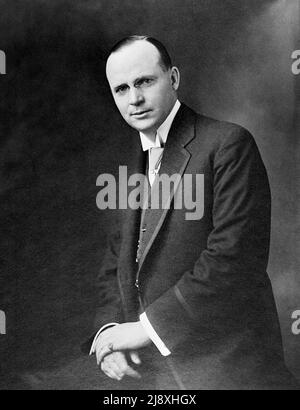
column 122, row 106
column 159, row 95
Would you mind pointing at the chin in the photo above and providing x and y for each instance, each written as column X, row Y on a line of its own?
column 143, row 127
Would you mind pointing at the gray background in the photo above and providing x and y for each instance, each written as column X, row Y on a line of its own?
column 59, row 130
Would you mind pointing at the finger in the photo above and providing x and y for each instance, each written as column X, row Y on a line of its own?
column 121, row 361
column 109, row 371
column 135, row 358
column 106, row 370
column 132, row 373
column 103, row 351
column 113, row 366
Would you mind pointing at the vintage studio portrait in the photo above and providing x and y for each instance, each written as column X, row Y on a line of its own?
column 149, row 196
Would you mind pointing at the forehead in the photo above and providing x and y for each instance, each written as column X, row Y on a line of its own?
column 132, row 61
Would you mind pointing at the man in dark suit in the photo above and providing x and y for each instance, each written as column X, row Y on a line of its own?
column 187, row 302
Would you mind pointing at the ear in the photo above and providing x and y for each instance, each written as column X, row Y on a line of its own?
column 175, row 78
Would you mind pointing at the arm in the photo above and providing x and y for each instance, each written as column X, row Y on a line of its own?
column 109, row 308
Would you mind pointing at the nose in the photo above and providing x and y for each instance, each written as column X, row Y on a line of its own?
column 135, row 96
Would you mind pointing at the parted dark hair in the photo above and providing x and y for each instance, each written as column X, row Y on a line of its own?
column 164, row 55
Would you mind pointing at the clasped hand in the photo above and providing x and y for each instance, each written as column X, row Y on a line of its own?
column 111, row 345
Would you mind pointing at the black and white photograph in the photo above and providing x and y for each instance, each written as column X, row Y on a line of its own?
column 149, row 181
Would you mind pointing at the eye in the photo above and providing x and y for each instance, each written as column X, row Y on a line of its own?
column 121, row 89
column 146, row 81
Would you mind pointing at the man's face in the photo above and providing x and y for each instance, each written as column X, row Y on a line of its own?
column 143, row 91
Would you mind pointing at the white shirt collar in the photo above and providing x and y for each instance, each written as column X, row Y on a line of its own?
column 162, row 131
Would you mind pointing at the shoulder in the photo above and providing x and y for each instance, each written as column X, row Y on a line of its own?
column 219, row 135
column 223, row 132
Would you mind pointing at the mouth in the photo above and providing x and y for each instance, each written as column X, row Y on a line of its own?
column 140, row 114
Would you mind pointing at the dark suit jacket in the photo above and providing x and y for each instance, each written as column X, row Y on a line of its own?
column 203, row 283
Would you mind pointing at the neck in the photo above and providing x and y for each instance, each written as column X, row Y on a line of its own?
column 151, row 134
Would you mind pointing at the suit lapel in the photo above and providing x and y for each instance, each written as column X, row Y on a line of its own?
column 174, row 161
column 130, row 229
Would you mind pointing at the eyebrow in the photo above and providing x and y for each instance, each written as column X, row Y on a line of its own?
column 116, row 88
column 137, row 80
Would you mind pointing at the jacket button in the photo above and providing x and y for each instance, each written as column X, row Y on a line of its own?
column 136, row 284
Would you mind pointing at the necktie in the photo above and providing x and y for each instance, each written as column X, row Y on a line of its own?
column 155, row 156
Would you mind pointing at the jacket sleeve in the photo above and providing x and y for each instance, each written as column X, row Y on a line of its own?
column 109, row 306
column 212, row 298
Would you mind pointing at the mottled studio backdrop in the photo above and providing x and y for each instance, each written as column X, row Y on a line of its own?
column 59, row 130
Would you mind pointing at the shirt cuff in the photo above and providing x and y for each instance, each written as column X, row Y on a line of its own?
column 92, row 350
column 153, row 335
